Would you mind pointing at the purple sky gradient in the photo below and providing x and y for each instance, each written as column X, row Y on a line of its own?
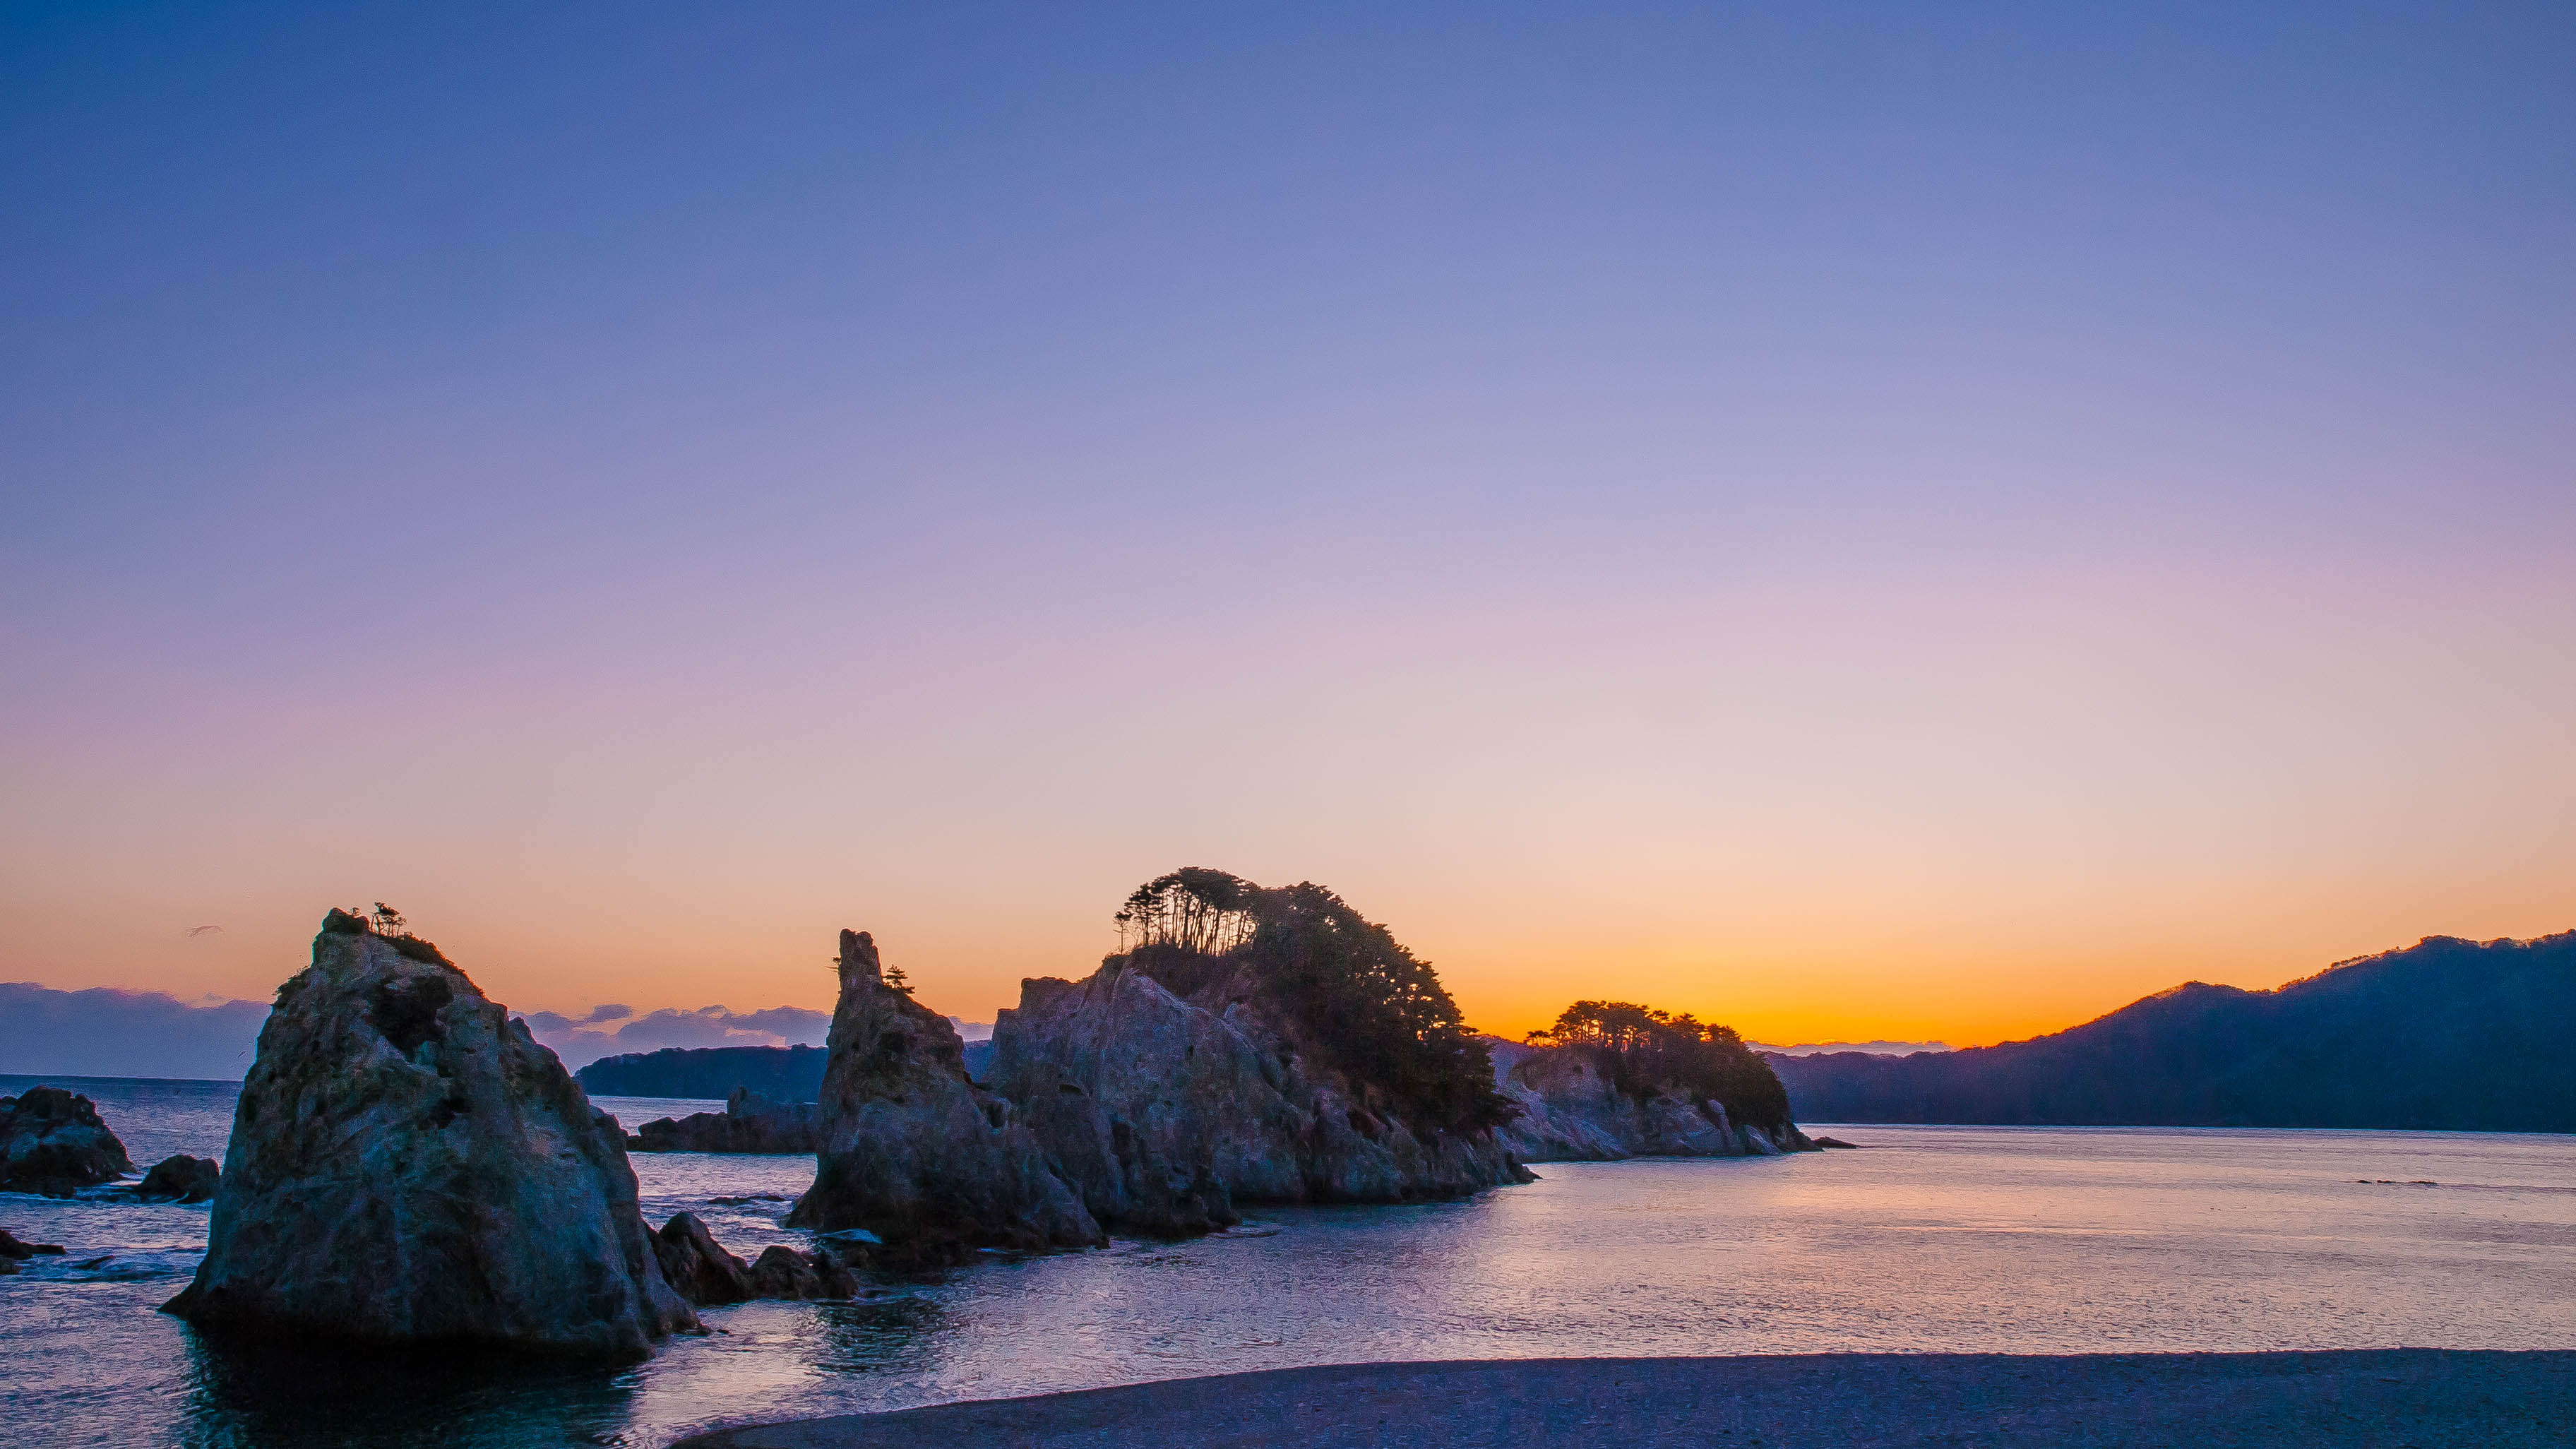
column 1856, row 523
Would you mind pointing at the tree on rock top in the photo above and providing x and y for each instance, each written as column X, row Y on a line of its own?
column 1345, row 989
column 1644, row 1050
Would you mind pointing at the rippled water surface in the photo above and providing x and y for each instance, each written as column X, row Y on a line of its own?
column 2034, row 1240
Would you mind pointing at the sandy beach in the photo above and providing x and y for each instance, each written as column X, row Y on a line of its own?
column 2415, row 1397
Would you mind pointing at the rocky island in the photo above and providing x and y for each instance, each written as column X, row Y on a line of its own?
column 408, row 1164
column 1613, row 1079
column 1251, row 1045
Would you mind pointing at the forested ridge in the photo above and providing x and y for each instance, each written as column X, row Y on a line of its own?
column 2444, row 1034
column 782, row 1074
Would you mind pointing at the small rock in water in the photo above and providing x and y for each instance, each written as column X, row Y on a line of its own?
column 181, row 1179
column 781, row 1272
column 52, row 1142
column 747, row 1201
column 11, row 1249
column 699, row 1267
column 839, row 1280
column 1833, row 1142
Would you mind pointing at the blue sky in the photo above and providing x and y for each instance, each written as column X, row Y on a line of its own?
column 1861, row 522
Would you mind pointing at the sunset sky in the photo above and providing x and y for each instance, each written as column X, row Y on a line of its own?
column 1854, row 521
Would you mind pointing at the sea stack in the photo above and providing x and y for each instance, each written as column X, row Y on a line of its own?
column 914, row 1152
column 408, row 1165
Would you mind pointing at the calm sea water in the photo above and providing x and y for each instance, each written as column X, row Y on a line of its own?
column 2025, row 1240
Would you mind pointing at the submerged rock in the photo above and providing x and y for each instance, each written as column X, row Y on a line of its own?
column 749, row 1123
column 181, row 1179
column 1167, row 1114
column 914, row 1152
column 52, row 1142
column 407, row 1164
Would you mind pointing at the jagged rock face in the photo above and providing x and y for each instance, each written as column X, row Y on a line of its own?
column 407, row 1164
column 52, row 1142
column 749, row 1123
column 914, row 1152
column 1166, row 1114
column 181, row 1179
column 1571, row 1112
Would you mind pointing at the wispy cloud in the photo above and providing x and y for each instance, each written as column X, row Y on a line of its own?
column 585, row 1039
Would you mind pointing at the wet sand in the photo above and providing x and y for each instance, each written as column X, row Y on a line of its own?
column 2396, row 1397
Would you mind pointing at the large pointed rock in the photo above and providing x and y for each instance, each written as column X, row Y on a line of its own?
column 1167, row 1114
column 913, row 1151
column 407, row 1164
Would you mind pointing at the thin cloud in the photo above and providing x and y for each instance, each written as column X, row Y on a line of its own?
column 579, row 1041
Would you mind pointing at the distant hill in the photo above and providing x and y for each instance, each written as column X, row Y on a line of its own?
column 782, row 1074
column 2445, row 1034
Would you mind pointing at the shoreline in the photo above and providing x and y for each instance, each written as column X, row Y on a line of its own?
column 2274, row 1400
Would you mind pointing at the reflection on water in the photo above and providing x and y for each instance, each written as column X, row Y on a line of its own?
column 243, row 1394
column 1999, row 1239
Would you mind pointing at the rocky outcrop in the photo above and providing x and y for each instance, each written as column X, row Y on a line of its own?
column 783, row 1272
column 407, row 1164
column 704, row 1273
column 1570, row 1111
column 52, row 1142
column 749, row 1123
column 1167, row 1115
column 914, row 1152
column 181, row 1179
column 697, row 1266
